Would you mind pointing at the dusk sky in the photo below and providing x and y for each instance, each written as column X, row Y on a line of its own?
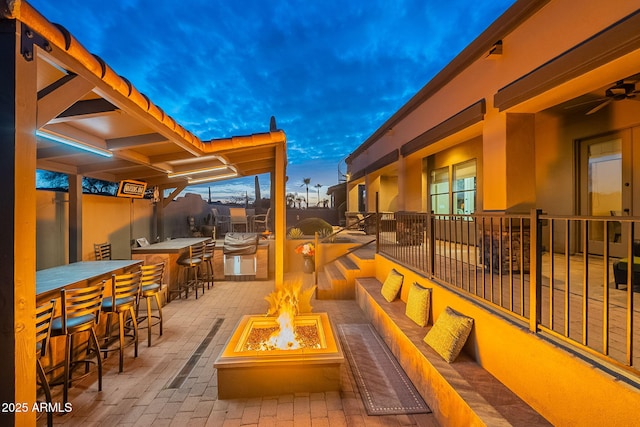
column 331, row 72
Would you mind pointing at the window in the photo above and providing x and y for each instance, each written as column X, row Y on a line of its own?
column 362, row 198
column 461, row 194
column 464, row 187
column 440, row 191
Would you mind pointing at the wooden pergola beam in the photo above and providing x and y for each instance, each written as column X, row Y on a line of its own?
column 18, row 235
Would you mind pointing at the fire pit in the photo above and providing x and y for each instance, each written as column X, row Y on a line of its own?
column 275, row 363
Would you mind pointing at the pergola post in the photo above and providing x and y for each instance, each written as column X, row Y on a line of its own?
column 280, row 217
column 75, row 218
column 18, row 96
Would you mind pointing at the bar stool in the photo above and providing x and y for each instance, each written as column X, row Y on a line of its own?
column 207, row 258
column 125, row 289
column 191, row 268
column 150, row 286
column 44, row 314
column 102, row 251
column 80, row 313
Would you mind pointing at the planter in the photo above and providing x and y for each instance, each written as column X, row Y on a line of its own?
column 309, row 265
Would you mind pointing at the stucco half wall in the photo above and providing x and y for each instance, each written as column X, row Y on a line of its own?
column 558, row 384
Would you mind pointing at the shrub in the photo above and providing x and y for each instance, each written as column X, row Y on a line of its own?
column 326, row 233
column 295, row 233
column 309, row 226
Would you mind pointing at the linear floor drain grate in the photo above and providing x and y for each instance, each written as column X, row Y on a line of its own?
column 191, row 363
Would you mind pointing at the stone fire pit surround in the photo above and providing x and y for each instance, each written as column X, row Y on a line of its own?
column 267, row 371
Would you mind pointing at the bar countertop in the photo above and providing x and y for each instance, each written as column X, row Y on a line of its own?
column 170, row 246
column 55, row 278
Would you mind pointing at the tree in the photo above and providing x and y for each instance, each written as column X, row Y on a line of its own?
column 306, row 182
column 291, row 200
column 258, row 202
column 318, row 186
column 52, row 180
column 99, row 186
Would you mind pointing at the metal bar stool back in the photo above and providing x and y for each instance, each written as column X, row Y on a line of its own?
column 102, row 251
column 207, row 258
column 125, row 289
column 80, row 313
column 44, row 315
column 150, row 285
column 191, row 266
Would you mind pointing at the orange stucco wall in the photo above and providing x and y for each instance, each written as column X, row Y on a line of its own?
column 558, row 384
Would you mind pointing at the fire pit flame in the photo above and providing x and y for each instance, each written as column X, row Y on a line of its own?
column 285, row 337
column 286, row 303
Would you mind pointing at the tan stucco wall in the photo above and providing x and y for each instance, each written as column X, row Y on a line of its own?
column 556, row 169
column 388, row 196
column 506, row 151
column 352, row 195
column 52, row 238
column 104, row 219
column 559, row 385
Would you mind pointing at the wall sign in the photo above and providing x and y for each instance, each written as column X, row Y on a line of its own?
column 130, row 188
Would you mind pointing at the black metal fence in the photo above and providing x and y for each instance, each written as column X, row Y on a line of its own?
column 565, row 276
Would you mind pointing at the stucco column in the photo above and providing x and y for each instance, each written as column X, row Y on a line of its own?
column 371, row 187
column 404, row 186
column 508, row 156
column 413, row 185
column 18, row 96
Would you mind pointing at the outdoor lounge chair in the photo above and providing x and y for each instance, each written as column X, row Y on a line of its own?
column 620, row 268
column 238, row 216
column 261, row 222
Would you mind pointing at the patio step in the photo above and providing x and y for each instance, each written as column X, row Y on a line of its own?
column 337, row 284
column 338, row 279
column 365, row 260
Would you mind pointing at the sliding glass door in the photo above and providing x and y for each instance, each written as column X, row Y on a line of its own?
column 605, row 189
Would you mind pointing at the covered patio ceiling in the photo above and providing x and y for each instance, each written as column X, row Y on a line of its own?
column 83, row 103
column 55, row 93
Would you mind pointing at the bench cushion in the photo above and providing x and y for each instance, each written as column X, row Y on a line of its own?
column 418, row 304
column 449, row 333
column 391, row 286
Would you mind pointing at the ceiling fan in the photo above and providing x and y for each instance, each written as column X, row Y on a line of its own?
column 620, row 91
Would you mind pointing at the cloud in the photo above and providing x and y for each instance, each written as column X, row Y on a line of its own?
column 331, row 72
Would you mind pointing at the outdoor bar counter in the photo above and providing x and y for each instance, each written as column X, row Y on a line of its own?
column 50, row 281
column 168, row 251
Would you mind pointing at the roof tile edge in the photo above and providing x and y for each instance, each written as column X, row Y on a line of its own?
column 27, row 14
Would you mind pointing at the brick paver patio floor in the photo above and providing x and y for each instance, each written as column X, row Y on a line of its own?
column 141, row 395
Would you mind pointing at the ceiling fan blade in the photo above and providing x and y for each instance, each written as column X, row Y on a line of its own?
column 579, row 104
column 600, row 107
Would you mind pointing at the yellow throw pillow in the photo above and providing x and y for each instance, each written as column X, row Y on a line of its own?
column 449, row 333
column 391, row 286
column 418, row 303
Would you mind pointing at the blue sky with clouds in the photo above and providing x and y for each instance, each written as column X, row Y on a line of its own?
column 331, row 72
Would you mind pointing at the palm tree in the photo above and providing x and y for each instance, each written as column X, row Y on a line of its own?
column 306, row 182
column 318, row 186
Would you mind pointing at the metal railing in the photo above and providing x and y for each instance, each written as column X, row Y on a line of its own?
column 330, row 238
column 564, row 276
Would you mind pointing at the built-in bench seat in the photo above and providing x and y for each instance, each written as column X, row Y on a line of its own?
column 461, row 393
